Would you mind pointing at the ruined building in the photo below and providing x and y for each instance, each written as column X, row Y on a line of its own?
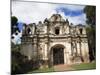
column 55, row 41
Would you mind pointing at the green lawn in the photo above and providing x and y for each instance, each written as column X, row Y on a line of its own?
column 84, row 66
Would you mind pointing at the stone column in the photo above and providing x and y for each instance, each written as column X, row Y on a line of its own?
column 45, row 29
column 51, row 59
column 69, row 54
column 78, row 49
column 65, row 56
column 85, row 52
column 35, row 50
column 45, row 52
column 30, row 49
column 45, row 55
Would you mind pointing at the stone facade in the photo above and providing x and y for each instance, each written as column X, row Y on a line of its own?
column 55, row 41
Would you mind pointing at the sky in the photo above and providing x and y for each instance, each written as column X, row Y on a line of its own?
column 32, row 12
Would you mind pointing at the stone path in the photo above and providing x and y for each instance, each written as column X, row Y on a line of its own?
column 63, row 67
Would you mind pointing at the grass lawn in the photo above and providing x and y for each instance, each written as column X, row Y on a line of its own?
column 84, row 66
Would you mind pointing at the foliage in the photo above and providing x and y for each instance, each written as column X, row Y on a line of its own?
column 90, row 14
column 14, row 20
column 91, row 33
column 20, row 63
column 14, row 26
column 91, row 29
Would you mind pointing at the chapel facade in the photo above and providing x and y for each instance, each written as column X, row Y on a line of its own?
column 55, row 41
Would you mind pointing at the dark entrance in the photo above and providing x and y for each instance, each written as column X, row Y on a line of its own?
column 58, row 56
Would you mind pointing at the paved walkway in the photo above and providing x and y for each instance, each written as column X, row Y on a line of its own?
column 63, row 67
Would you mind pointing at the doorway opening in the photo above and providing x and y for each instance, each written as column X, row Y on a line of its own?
column 58, row 55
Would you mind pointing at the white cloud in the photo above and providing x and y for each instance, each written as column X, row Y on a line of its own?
column 81, row 19
column 78, row 19
column 30, row 12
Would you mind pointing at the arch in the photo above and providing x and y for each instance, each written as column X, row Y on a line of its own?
column 57, row 45
column 57, row 54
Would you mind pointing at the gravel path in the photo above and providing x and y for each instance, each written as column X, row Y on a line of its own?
column 63, row 67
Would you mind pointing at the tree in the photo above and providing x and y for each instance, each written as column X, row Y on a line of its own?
column 14, row 26
column 91, row 42
column 14, row 20
column 19, row 62
column 90, row 12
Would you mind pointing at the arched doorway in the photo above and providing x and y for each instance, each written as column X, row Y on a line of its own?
column 57, row 54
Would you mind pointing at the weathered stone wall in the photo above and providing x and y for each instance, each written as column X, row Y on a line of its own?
column 44, row 38
column 27, row 50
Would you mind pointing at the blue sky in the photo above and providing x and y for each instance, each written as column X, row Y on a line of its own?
column 69, row 12
column 20, row 26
